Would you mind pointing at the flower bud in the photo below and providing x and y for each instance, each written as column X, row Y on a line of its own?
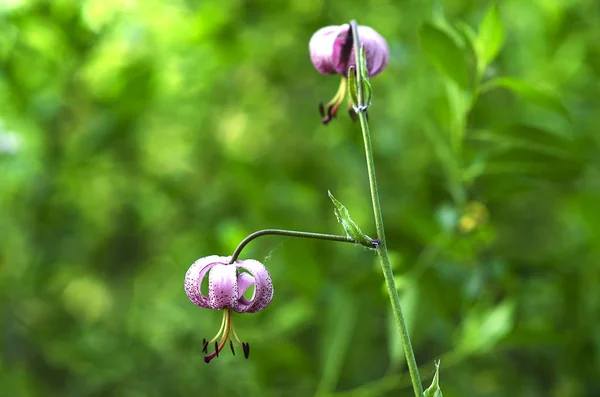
column 332, row 52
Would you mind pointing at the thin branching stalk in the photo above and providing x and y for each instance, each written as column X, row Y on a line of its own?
column 294, row 233
column 386, row 267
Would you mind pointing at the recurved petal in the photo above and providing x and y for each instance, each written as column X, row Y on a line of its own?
column 376, row 49
column 342, row 50
column 245, row 280
column 263, row 286
column 194, row 276
column 223, row 287
column 322, row 47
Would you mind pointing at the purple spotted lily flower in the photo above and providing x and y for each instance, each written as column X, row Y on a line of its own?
column 332, row 52
column 227, row 283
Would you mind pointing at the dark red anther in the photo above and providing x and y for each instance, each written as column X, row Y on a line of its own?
column 231, row 345
column 331, row 110
column 352, row 114
column 246, row 348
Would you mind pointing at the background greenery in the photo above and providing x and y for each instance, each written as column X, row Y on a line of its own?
column 138, row 136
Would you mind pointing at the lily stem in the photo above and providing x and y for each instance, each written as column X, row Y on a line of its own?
column 386, row 267
column 294, row 233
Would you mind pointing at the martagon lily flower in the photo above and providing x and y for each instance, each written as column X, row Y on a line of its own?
column 332, row 52
column 227, row 284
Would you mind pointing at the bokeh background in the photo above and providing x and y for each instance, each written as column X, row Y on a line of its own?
column 138, row 136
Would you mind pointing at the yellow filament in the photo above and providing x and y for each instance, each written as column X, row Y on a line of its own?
column 235, row 333
column 225, row 337
column 339, row 96
column 223, row 321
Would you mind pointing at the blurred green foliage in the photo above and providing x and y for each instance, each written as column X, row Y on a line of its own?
column 138, row 136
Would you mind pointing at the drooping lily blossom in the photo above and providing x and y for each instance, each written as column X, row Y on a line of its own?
column 332, row 52
column 227, row 284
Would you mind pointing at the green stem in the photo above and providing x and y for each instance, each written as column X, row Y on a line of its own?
column 294, row 233
column 382, row 249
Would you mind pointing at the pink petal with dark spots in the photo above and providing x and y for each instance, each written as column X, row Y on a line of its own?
column 223, row 287
column 194, row 276
column 263, row 287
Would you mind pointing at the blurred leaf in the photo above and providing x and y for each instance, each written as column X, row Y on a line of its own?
column 409, row 291
column 481, row 331
column 491, row 37
column 87, row 299
column 351, row 228
column 448, row 161
column 468, row 34
column 526, row 151
column 445, row 54
column 533, row 164
column 533, row 94
column 293, row 315
column 341, row 325
column 434, row 390
column 528, row 137
column 469, row 37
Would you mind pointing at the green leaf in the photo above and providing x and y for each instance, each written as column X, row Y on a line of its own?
column 352, row 88
column 350, row 227
column 434, row 390
column 470, row 48
column 366, row 84
column 468, row 34
column 535, row 95
column 445, row 54
column 491, row 37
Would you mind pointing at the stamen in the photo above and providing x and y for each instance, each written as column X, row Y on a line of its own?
column 223, row 323
column 227, row 334
column 223, row 333
column 237, row 339
column 330, row 110
column 341, row 93
column 246, row 348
